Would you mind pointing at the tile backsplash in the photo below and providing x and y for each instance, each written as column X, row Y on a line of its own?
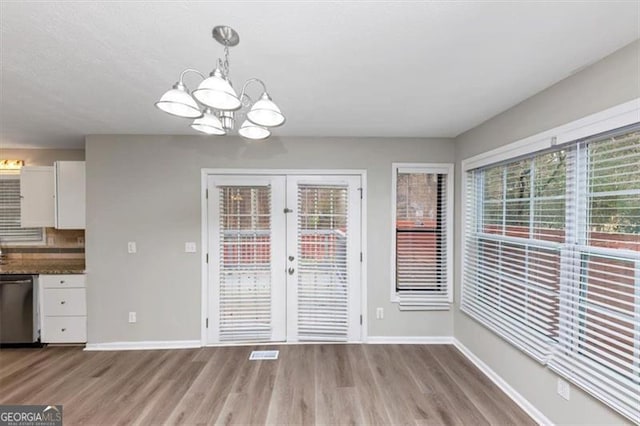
column 60, row 244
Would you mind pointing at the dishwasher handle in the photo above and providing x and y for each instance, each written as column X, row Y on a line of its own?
column 16, row 282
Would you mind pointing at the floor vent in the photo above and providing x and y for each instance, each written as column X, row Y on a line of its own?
column 263, row 355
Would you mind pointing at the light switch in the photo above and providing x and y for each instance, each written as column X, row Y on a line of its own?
column 190, row 247
column 131, row 247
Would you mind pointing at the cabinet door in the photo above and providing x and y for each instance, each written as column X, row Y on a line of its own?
column 36, row 197
column 70, row 194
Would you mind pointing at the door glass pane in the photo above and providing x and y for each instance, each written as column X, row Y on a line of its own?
column 245, row 263
column 322, row 262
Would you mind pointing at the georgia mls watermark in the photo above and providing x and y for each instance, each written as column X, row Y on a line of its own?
column 30, row 415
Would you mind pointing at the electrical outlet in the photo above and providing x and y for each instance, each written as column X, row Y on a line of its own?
column 379, row 313
column 132, row 317
column 563, row 389
column 51, row 240
column 131, row 247
column 190, row 247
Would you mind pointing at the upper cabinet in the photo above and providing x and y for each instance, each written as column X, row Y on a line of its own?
column 36, row 197
column 70, row 193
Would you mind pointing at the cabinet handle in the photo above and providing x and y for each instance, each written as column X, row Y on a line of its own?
column 61, row 281
column 63, row 330
column 63, row 302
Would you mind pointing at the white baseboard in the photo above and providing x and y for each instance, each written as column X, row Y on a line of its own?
column 410, row 340
column 143, row 346
column 529, row 408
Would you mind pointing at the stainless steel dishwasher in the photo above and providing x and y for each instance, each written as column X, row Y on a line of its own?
column 17, row 310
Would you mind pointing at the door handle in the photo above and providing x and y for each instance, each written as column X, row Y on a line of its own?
column 291, row 271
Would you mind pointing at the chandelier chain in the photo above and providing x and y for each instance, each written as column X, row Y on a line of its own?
column 226, row 62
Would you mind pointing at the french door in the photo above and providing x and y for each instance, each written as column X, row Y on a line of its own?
column 284, row 258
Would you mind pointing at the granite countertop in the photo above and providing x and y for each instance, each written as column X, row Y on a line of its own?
column 43, row 266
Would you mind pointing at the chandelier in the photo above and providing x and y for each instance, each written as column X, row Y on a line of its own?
column 215, row 106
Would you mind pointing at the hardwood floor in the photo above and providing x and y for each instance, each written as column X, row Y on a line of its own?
column 322, row 384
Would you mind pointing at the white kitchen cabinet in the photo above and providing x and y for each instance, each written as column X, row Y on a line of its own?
column 63, row 308
column 36, row 197
column 70, row 194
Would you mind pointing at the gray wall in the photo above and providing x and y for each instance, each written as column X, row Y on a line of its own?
column 611, row 81
column 147, row 189
column 41, row 157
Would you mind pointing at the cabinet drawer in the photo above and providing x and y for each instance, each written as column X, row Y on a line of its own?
column 64, row 301
column 63, row 281
column 64, row 330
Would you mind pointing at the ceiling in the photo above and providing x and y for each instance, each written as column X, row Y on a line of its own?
column 401, row 69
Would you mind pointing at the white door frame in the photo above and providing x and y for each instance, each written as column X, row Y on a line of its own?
column 204, row 174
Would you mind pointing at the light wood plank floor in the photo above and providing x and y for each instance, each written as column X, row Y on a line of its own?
column 323, row 384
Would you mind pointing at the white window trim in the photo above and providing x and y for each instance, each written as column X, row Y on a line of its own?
column 441, row 168
column 610, row 119
column 603, row 121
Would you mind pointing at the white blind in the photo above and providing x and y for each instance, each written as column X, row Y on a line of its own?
column 552, row 261
column 421, row 233
column 10, row 229
column 514, row 233
column 245, row 263
column 323, row 236
column 599, row 321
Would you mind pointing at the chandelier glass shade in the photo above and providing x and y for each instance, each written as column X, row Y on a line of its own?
column 215, row 106
column 177, row 101
column 250, row 130
column 265, row 113
column 216, row 92
column 209, row 124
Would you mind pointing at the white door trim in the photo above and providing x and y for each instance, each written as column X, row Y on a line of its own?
column 204, row 270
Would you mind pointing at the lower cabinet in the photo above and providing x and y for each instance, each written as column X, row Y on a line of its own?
column 63, row 308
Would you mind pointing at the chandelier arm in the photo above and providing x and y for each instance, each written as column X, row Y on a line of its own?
column 247, row 97
column 252, row 80
column 188, row 70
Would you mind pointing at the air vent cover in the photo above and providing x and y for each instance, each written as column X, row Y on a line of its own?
column 263, row 355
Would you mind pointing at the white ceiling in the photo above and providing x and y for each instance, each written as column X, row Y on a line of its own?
column 400, row 69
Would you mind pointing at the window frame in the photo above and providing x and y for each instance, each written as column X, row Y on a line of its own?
column 619, row 116
column 21, row 243
column 426, row 168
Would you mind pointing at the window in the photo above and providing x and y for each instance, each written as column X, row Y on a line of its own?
column 552, row 260
column 10, row 230
column 421, row 272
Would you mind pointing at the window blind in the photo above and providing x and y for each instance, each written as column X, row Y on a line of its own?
column 552, row 260
column 245, row 263
column 10, row 229
column 421, row 238
column 599, row 322
column 322, row 262
column 514, row 234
